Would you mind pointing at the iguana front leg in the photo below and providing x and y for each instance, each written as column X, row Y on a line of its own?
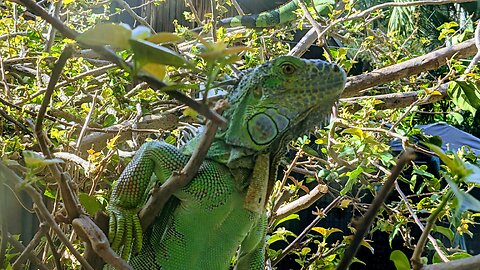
column 251, row 254
column 132, row 188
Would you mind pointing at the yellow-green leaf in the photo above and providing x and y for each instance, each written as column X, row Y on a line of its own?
column 148, row 52
column 156, row 70
column 115, row 35
column 164, row 37
column 35, row 160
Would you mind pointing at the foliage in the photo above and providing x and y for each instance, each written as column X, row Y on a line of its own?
column 101, row 113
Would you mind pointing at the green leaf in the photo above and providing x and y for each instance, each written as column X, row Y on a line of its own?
column 90, row 203
column 400, row 260
column 465, row 200
column 456, row 165
column 459, row 255
column 290, row 217
column 474, row 176
column 352, row 179
column 147, row 52
column 115, row 35
column 445, row 231
column 325, row 232
column 35, row 160
column 165, row 37
column 465, row 95
column 458, row 117
column 49, row 194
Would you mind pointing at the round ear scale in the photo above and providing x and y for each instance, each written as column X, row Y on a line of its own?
column 262, row 129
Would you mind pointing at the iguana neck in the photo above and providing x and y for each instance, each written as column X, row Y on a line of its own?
column 239, row 160
column 234, row 157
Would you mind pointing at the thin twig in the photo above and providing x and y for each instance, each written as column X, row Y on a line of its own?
column 214, row 18
column 20, row 247
column 312, row 35
column 366, row 221
column 299, row 238
column 14, row 121
column 417, row 253
column 194, row 12
column 72, row 205
column 134, row 15
column 57, row 6
column 237, row 7
column 301, row 203
column 18, row 264
column 311, row 20
column 439, row 251
column 85, row 124
column 56, row 256
column 114, row 58
column 476, row 58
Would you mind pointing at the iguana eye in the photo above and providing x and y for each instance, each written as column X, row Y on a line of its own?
column 288, row 69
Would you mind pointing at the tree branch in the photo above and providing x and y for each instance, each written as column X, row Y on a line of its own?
column 301, row 203
column 429, row 61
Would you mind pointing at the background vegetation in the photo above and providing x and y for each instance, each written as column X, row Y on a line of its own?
column 74, row 111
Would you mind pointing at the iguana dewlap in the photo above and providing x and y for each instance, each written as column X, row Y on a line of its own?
column 222, row 210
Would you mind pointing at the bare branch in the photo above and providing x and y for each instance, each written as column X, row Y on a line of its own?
column 476, row 58
column 398, row 100
column 301, row 203
column 410, row 67
column 461, row 264
column 312, row 35
column 18, row 264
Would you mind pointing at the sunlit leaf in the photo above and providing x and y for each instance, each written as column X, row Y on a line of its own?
column 35, row 160
column 156, row 70
column 456, row 164
column 474, row 175
column 465, row 95
column 164, row 37
column 115, row 35
column 324, row 231
column 147, row 52
column 289, row 217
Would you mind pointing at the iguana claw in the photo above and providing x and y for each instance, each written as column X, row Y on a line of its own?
column 124, row 230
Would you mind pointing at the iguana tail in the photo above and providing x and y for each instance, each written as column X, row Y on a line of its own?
column 277, row 16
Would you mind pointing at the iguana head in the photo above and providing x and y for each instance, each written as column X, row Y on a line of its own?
column 282, row 99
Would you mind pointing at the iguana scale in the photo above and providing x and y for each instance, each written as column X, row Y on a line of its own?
column 223, row 207
column 283, row 14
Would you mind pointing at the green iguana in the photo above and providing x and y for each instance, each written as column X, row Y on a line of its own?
column 283, row 14
column 222, row 210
